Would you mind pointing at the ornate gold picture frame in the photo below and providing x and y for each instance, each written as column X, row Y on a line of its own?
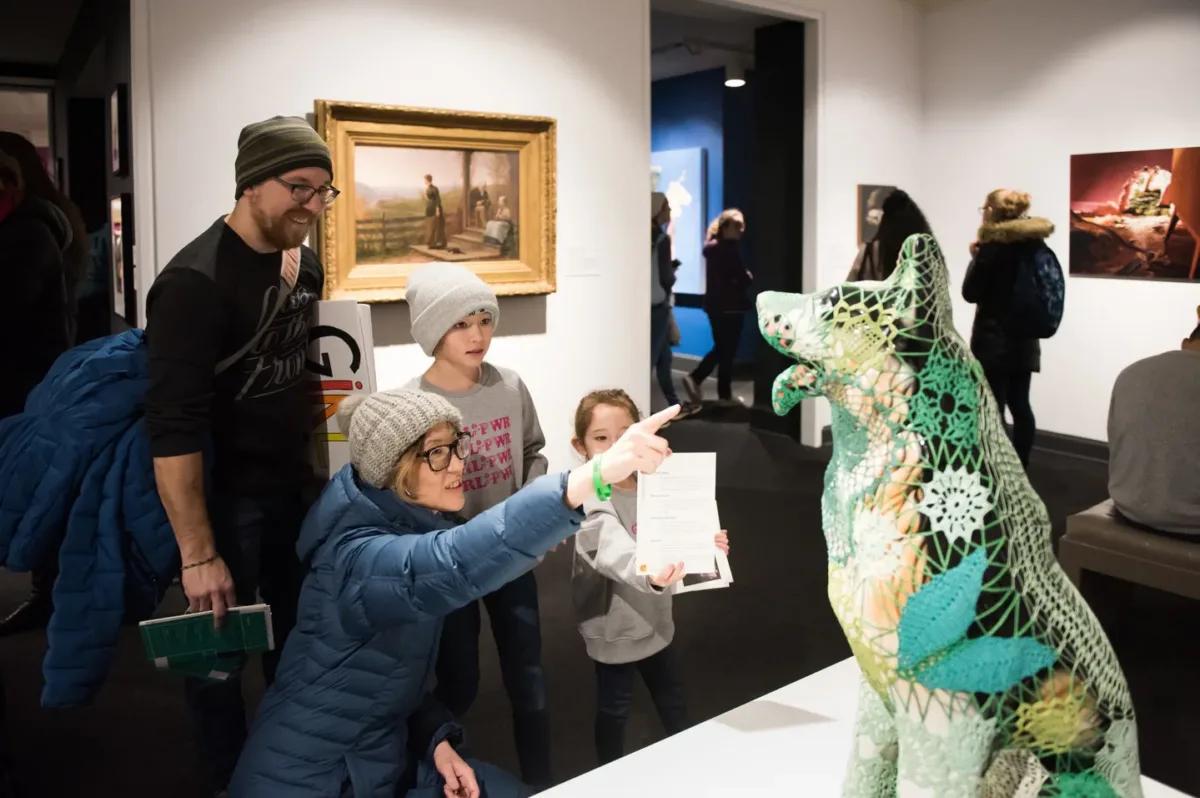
column 420, row 185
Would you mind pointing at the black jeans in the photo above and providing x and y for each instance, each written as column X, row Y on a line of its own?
column 661, row 354
column 727, row 334
column 1011, row 389
column 256, row 537
column 516, row 627
column 614, row 697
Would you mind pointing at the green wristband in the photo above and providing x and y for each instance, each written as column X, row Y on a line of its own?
column 603, row 492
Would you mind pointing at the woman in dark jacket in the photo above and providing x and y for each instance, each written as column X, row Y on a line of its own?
column 39, row 185
column 35, row 328
column 726, row 302
column 349, row 713
column 35, row 237
column 1007, row 239
column 877, row 258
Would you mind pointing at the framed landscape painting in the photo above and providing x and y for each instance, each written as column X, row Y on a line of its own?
column 1136, row 214
column 420, row 185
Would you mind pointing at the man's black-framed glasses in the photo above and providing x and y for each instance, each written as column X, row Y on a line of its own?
column 302, row 194
column 438, row 457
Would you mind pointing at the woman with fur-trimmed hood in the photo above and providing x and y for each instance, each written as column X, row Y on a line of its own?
column 1008, row 238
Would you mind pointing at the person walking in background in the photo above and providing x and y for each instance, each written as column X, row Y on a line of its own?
column 1008, row 241
column 726, row 301
column 662, row 280
column 877, row 258
column 39, row 184
column 454, row 314
column 36, row 239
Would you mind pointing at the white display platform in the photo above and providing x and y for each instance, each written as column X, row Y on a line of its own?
column 794, row 741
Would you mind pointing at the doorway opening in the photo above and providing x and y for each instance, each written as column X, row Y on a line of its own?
column 727, row 132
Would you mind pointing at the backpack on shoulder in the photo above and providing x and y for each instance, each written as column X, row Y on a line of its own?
column 1036, row 307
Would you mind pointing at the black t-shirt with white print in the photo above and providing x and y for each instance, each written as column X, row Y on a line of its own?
column 259, row 410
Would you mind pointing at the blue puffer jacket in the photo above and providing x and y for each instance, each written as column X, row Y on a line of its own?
column 349, row 713
column 76, row 467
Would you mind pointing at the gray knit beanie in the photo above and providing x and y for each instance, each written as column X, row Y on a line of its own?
column 276, row 146
column 382, row 426
column 439, row 294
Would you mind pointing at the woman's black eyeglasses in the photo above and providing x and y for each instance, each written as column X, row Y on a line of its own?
column 302, row 195
column 438, row 457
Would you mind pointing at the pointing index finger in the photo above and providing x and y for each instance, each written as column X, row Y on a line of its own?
column 654, row 422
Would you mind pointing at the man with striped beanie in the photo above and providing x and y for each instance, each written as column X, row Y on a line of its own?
column 227, row 327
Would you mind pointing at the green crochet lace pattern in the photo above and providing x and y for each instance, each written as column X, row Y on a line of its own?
column 985, row 674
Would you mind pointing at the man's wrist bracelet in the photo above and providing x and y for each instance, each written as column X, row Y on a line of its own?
column 213, row 558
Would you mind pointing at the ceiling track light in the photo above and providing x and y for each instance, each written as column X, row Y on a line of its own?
column 735, row 76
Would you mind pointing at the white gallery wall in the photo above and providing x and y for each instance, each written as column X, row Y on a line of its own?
column 1013, row 88
column 204, row 70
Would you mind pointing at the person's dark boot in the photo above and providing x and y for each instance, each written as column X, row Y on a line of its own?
column 32, row 614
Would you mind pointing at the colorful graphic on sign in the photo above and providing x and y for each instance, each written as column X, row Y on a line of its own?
column 341, row 363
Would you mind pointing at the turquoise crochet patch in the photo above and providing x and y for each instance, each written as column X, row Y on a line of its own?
column 939, row 614
column 933, row 644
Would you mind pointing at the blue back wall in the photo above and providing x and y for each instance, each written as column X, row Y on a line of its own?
column 697, row 110
column 687, row 111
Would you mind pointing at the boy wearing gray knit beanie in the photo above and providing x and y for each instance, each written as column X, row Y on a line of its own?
column 454, row 314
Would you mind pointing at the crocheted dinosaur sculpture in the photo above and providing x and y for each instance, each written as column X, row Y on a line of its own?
column 985, row 674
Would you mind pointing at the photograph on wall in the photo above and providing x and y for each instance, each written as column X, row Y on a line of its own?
column 1136, row 214
column 680, row 175
column 870, row 210
column 424, row 186
column 118, row 130
column 341, row 363
column 414, row 205
column 120, row 222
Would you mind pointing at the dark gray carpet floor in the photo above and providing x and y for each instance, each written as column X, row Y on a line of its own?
column 772, row 627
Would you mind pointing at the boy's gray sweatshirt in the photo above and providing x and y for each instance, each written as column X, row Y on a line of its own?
column 506, row 438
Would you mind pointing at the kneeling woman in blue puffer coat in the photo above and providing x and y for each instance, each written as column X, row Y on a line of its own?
column 349, row 713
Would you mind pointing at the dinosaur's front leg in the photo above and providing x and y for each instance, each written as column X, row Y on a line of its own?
column 872, row 771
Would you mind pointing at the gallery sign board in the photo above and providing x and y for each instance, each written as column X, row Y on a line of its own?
column 341, row 363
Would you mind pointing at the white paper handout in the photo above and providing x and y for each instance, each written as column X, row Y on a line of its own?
column 677, row 514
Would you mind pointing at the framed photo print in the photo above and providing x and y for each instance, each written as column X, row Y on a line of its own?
column 118, row 129
column 120, row 222
column 420, row 186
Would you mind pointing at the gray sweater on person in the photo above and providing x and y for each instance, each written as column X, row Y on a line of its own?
column 622, row 617
column 1153, row 438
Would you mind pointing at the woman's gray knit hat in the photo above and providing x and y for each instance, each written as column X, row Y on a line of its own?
column 439, row 294
column 382, row 426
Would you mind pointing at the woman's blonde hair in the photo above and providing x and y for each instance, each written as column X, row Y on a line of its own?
column 403, row 478
column 728, row 215
column 1008, row 204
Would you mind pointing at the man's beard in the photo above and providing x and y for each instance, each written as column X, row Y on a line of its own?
column 280, row 232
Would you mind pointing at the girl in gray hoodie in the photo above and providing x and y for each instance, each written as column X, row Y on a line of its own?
column 625, row 618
